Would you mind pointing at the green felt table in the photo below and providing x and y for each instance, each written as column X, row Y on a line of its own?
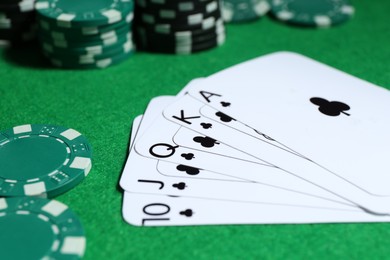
column 101, row 104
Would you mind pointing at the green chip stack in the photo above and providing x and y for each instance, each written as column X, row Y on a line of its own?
column 240, row 11
column 85, row 34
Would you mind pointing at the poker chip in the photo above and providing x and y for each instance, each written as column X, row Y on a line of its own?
column 18, row 6
column 178, row 27
column 98, row 56
column 123, row 42
column 86, row 34
column 238, row 11
column 89, row 35
column 91, row 63
column 42, row 160
column 17, row 22
column 321, row 13
column 37, row 228
column 67, row 14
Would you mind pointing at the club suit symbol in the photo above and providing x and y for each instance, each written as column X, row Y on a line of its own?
column 187, row 212
column 224, row 118
column 205, row 141
column 206, row 125
column 188, row 156
column 188, row 169
column 180, row 185
column 225, row 104
column 330, row 108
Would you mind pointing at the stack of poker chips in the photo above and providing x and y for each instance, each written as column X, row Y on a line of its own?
column 17, row 21
column 239, row 11
column 178, row 26
column 85, row 34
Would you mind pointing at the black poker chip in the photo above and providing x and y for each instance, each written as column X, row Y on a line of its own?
column 188, row 19
column 17, row 22
column 23, row 6
column 178, row 27
column 180, row 6
column 175, row 40
column 162, row 47
column 216, row 28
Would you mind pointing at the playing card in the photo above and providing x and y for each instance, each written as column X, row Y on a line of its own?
column 140, row 173
column 336, row 120
column 153, row 210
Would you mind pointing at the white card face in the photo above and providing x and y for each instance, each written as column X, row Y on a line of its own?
column 169, row 169
column 218, row 116
column 153, row 210
column 193, row 140
column 334, row 119
column 155, row 144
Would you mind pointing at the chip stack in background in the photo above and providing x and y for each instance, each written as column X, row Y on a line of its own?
column 178, row 26
column 85, row 34
column 17, row 22
column 309, row 13
column 241, row 11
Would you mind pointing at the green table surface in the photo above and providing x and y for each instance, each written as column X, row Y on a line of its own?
column 101, row 104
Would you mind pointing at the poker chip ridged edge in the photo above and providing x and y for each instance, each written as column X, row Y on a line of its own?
column 58, row 170
column 53, row 230
column 66, row 14
column 241, row 11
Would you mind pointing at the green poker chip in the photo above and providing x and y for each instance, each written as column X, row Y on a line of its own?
column 42, row 160
column 95, row 64
column 74, row 40
column 95, row 48
column 87, row 33
column 72, row 13
column 90, row 58
column 37, row 228
column 240, row 11
column 320, row 13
